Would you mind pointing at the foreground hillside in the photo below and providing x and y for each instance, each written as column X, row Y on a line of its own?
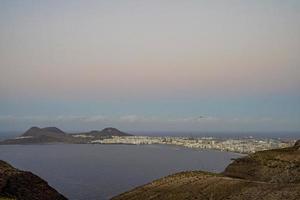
column 273, row 166
column 267, row 175
column 21, row 185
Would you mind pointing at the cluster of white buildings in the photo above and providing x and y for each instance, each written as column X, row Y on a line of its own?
column 247, row 145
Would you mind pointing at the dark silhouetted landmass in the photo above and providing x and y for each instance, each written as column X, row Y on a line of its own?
column 21, row 185
column 48, row 131
column 266, row 175
column 108, row 132
column 36, row 135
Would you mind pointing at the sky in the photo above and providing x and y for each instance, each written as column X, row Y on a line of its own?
column 156, row 65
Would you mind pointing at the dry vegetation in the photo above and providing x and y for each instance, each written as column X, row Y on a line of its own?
column 266, row 175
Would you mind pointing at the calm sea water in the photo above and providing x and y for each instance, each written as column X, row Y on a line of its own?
column 85, row 171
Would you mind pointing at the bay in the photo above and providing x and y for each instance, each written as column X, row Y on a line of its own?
column 95, row 171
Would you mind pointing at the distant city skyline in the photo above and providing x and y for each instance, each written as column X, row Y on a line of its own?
column 150, row 65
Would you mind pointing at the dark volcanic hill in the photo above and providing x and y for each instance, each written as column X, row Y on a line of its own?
column 21, row 185
column 36, row 135
column 108, row 132
column 265, row 175
column 48, row 131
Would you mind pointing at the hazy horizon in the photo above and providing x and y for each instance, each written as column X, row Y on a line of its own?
column 205, row 66
column 289, row 135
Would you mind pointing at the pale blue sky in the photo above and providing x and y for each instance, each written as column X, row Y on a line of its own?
column 150, row 65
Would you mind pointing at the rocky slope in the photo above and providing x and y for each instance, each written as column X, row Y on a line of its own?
column 273, row 166
column 21, row 185
column 266, row 175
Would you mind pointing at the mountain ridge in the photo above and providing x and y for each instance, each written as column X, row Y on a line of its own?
column 109, row 131
column 37, row 135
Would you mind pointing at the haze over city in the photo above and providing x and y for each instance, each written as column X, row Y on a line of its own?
column 150, row 65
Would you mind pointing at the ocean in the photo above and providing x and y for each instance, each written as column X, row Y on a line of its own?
column 95, row 171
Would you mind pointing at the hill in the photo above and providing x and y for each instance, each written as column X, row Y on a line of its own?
column 272, row 166
column 267, row 175
column 36, row 135
column 107, row 132
column 48, row 131
column 16, row 184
